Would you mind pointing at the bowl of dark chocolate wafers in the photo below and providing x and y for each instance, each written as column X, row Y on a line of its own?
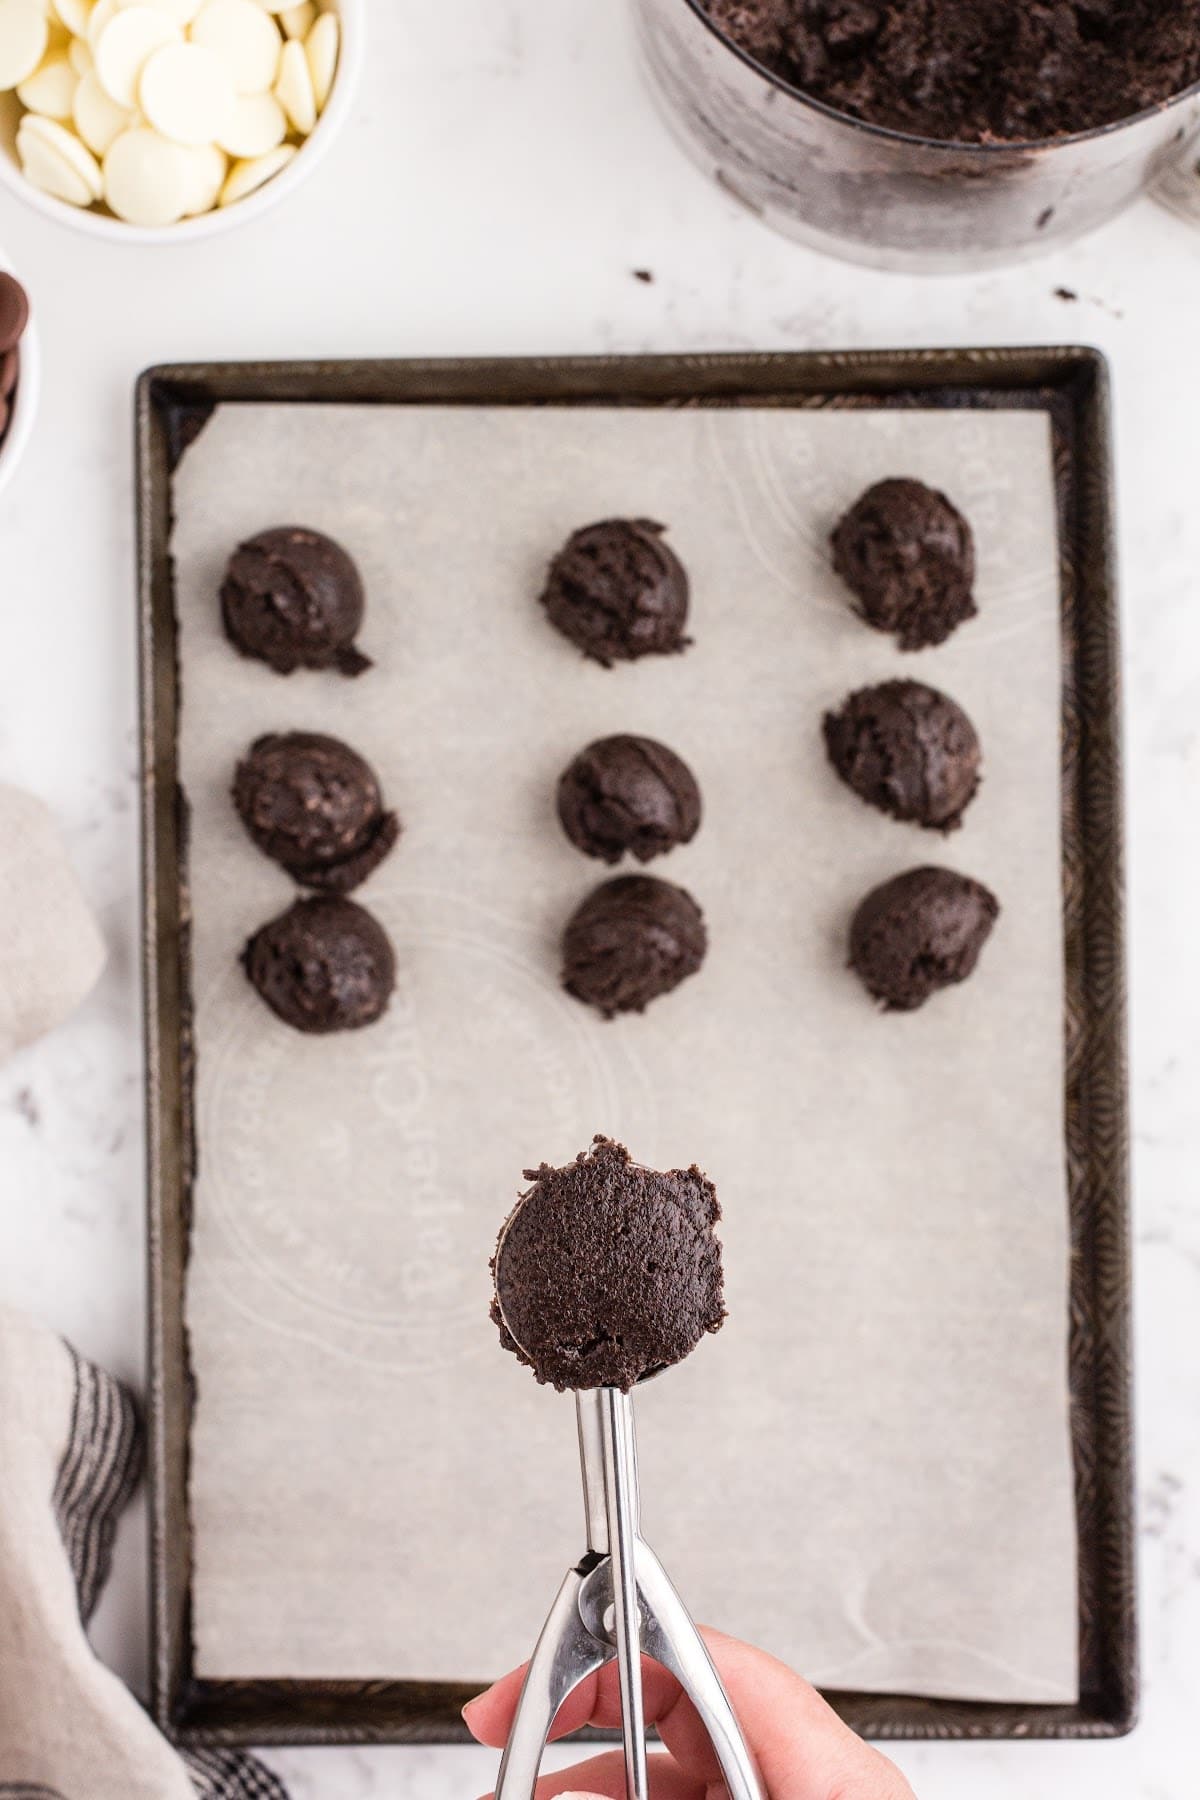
column 19, row 371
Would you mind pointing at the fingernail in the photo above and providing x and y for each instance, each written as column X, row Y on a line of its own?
column 469, row 1708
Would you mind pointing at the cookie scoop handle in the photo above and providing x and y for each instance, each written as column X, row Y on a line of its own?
column 621, row 1508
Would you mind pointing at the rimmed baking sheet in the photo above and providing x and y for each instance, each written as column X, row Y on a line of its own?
column 747, row 481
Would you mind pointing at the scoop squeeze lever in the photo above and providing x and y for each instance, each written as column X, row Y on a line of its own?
column 618, row 1603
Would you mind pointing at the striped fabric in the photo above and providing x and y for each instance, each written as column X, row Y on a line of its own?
column 98, row 1472
column 231, row 1775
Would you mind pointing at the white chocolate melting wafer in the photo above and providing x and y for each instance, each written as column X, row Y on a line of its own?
column 74, row 15
column 186, row 93
column 246, row 39
column 252, row 173
column 207, row 167
column 298, row 21
column 181, row 11
column 148, row 180
column 321, row 47
column 48, row 172
column 50, row 90
column 256, row 124
column 98, row 118
column 294, row 88
column 98, row 18
column 24, row 36
column 125, row 46
column 55, row 160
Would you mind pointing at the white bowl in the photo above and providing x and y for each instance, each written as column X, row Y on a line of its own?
column 352, row 15
column 24, row 406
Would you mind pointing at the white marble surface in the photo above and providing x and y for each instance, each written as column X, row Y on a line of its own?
column 503, row 178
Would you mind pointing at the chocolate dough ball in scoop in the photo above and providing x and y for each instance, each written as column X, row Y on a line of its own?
column 619, row 592
column 294, row 599
column 631, row 940
column 908, row 556
column 607, row 1272
column 324, row 965
column 313, row 805
column 628, row 793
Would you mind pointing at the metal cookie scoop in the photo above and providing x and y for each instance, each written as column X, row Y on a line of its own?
column 618, row 1601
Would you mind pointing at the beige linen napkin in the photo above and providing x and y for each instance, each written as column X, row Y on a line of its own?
column 51, row 951
column 70, row 1452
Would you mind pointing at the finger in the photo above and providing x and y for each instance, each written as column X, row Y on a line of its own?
column 489, row 1716
column 603, row 1778
column 804, row 1750
column 596, row 1701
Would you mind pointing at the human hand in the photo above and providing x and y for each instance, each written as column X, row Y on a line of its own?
column 803, row 1749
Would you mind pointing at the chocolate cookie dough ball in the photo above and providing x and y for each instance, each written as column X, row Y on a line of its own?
column 294, row 599
column 908, row 750
column 617, row 591
column 919, row 933
column 632, row 939
column 908, row 557
column 607, row 1272
column 628, row 793
column 313, row 805
column 323, row 965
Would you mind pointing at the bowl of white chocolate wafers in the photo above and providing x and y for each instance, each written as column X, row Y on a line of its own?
column 160, row 120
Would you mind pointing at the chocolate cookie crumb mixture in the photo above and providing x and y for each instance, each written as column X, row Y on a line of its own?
column 908, row 750
column 628, row 793
column 974, row 71
column 323, row 965
column 313, row 805
column 908, row 556
column 294, row 599
column 631, row 940
column 919, row 933
column 618, row 592
column 607, row 1271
